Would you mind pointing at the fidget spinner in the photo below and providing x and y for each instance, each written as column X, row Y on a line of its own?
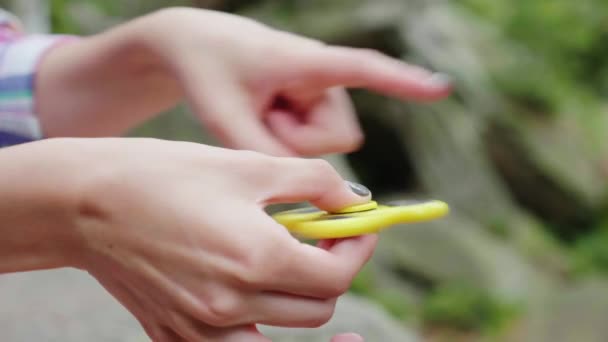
column 360, row 219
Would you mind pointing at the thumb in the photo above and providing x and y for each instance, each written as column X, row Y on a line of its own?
column 315, row 181
column 227, row 111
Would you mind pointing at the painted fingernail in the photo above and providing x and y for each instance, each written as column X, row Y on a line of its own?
column 358, row 189
column 439, row 80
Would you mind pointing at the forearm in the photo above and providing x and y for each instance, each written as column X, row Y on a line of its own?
column 101, row 85
column 35, row 209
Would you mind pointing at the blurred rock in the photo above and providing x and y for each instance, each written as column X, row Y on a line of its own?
column 455, row 249
column 353, row 314
column 579, row 313
column 565, row 188
column 61, row 306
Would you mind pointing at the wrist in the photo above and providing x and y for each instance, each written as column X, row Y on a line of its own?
column 102, row 85
column 36, row 219
column 168, row 36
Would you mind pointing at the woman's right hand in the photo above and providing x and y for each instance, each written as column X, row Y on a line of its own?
column 177, row 232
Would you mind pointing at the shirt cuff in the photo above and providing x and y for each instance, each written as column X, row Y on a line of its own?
column 19, row 60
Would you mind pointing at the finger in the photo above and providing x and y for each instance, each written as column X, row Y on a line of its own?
column 362, row 68
column 199, row 331
column 329, row 126
column 313, row 180
column 306, row 270
column 350, row 337
column 228, row 112
column 284, row 310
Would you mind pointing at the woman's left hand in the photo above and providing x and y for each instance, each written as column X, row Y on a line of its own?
column 254, row 87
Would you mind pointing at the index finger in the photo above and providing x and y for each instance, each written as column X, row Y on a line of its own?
column 330, row 66
column 315, row 272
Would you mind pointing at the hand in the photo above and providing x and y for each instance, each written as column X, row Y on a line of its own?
column 253, row 74
column 254, row 87
column 177, row 232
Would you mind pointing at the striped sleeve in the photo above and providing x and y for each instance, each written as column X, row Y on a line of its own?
column 19, row 58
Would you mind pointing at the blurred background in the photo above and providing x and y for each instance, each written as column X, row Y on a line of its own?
column 519, row 151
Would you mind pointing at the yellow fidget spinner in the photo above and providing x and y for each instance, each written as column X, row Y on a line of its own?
column 360, row 219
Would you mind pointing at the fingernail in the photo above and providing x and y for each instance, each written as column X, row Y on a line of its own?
column 439, row 80
column 358, row 189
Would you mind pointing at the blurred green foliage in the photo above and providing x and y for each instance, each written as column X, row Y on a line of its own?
column 568, row 36
column 457, row 306
column 591, row 252
column 395, row 303
column 559, row 55
column 467, row 308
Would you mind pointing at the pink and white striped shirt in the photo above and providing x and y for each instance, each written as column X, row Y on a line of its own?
column 20, row 54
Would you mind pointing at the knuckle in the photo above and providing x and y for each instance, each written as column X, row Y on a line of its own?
column 252, row 265
column 274, row 165
column 223, row 310
column 324, row 173
column 251, row 274
column 259, row 161
column 321, row 167
column 261, row 267
column 258, row 169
